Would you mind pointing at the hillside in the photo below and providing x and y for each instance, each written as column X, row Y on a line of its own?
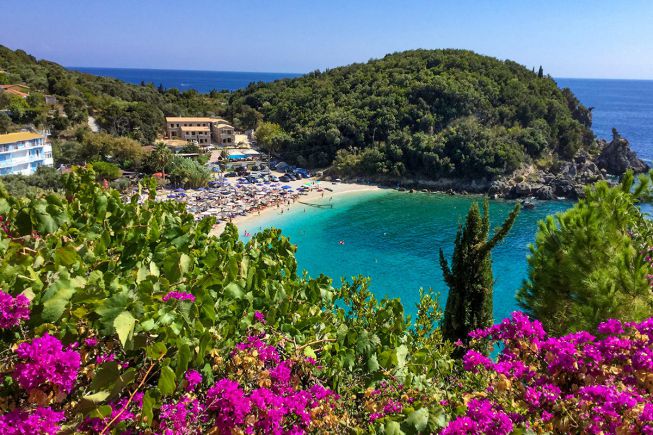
column 121, row 109
column 428, row 113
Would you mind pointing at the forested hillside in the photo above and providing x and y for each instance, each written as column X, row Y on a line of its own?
column 430, row 113
column 119, row 108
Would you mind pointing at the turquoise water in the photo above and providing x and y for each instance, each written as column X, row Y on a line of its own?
column 394, row 238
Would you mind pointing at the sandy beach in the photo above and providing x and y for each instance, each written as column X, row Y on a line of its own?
column 329, row 190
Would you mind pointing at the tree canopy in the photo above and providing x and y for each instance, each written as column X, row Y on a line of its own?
column 427, row 113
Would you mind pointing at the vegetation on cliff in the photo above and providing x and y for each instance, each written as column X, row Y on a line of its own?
column 121, row 109
column 426, row 113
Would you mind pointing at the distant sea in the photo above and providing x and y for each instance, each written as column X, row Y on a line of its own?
column 201, row 81
column 394, row 237
column 626, row 105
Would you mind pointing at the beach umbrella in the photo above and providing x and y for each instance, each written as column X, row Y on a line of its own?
column 172, row 196
column 286, row 187
column 179, row 190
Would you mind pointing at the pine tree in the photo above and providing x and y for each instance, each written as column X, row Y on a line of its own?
column 589, row 263
column 540, row 72
column 470, row 281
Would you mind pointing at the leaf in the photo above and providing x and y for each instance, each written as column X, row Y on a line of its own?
column 65, row 255
column 418, row 419
column 393, row 428
column 167, row 381
column 372, row 363
column 96, row 397
column 56, row 297
column 183, row 358
column 148, row 405
column 184, row 263
column 124, row 325
column 309, row 352
column 106, row 376
column 156, row 350
column 402, row 352
column 234, row 291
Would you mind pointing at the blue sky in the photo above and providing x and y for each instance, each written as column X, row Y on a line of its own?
column 570, row 38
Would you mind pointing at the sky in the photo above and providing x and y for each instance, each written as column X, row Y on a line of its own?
column 570, row 38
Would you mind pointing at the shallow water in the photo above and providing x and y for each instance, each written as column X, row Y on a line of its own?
column 394, row 238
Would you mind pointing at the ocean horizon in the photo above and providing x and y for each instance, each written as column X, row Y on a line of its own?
column 200, row 80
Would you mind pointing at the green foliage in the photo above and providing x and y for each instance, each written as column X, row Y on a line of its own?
column 270, row 136
column 90, row 147
column 106, row 171
column 470, row 281
column 102, row 265
column 187, row 172
column 45, row 178
column 120, row 108
column 588, row 264
column 426, row 113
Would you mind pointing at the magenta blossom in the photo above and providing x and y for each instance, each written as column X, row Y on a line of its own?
column 259, row 317
column 13, row 310
column 193, row 379
column 42, row 421
column 44, row 362
column 180, row 296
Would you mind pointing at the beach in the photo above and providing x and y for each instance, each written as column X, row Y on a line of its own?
column 328, row 191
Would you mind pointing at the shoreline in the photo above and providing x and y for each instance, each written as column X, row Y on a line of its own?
column 336, row 189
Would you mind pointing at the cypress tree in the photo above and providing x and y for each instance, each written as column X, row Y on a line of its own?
column 540, row 72
column 470, row 281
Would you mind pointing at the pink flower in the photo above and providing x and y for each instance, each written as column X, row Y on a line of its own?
column 180, row 296
column 13, row 310
column 193, row 379
column 101, row 359
column 260, row 317
column 42, row 421
column 91, row 342
column 44, row 362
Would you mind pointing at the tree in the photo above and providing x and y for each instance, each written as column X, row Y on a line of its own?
column 270, row 136
column 540, row 72
column 589, row 263
column 159, row 158
column 106, row 171
column 470, row 281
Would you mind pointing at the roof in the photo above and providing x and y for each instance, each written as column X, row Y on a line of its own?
column 18, row 137
column 222, row 125
column 194, row 128
column 185, row 119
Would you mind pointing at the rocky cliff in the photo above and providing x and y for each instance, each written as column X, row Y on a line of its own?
column 616, row 156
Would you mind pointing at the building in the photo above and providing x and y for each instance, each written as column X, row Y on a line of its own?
column 23, row 153
column 203, row 131
column 223, row 134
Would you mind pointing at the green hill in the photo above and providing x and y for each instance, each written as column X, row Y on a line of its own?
column 121, row 109
column 426, row 113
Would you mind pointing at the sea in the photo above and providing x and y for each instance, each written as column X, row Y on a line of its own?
column 201, row 81
column 394, row 237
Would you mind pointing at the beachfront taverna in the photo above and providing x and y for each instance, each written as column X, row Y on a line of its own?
column 203, row 131
column 23, row 153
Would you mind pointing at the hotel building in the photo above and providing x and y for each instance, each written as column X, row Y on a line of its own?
column 203, row 131
column 23, row 153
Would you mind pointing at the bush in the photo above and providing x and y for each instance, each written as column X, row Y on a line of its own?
column 106, row 171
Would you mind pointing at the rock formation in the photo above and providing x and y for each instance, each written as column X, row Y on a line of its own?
column 617, row 157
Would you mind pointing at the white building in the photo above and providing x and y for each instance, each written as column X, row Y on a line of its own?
column 23, row 153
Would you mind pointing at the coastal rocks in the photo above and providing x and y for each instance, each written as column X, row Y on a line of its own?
column 617, row 157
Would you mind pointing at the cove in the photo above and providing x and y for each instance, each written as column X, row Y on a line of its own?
column 394, row 237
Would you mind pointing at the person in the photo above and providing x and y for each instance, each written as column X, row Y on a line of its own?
column 341, row 242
